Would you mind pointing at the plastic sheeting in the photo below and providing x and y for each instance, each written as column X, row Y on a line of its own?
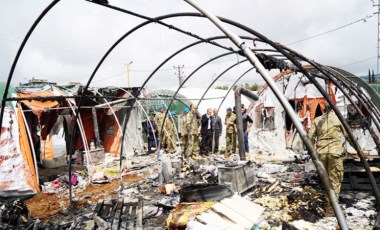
column 297, row 88
column 17, row 172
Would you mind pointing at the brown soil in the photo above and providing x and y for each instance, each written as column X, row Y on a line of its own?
column 44, row 206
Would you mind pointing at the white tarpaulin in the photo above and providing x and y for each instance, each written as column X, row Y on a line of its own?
column 15, row 172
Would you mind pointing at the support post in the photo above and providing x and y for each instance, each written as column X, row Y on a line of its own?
column 96, row 128
column 239, row 117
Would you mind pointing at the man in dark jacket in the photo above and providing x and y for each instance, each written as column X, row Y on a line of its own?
column 206, row 131
column 246, row 127
column 217, row 129
column 151, row 130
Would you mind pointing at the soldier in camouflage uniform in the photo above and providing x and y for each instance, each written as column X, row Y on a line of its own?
column 192, row 126
column 170, row 133
column 325, row 133
column 230, row 132
column 184, row 133
column 159, row 119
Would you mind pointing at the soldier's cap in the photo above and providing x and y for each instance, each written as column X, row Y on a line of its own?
column 186, row 110
column 229, row 108
column 159, row 107
column 171, row 113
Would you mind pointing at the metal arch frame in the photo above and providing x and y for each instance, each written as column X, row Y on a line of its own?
column 339, row 115
column 232, row 86
column 217, row 78
column 183, row 83
column 241, row 27
column 20, row 49
column 316, row 84
column 285, row 104
column 346, row 83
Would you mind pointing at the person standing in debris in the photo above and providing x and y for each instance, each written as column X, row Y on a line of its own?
column 192, row 126
column 230, row 132
column 217, row 130
column 206, row 131
column 151, row 130
column 170, row 133
column 246, row 127
column 159, row 119
column 325, row 133
column 184, row 133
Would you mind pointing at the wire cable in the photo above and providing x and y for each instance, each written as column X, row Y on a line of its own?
column 333, row 30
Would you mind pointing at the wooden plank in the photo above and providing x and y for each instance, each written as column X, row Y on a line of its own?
column 116, row 220
column 98, row 207
column 106, row 211
column 131, row 224
column 127, row 214
column 139, row 218
column 123, row 220
column 113, row 208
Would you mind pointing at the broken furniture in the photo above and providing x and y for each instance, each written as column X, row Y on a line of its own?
column 119, row 214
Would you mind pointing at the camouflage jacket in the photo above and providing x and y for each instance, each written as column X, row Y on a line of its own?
column 183, row 124
column 159, row 119
column 192, row 123
column 230, row 123
column 169, row 127
column 326, row 133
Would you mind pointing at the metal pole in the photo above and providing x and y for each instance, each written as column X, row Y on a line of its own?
column 260, row 68
column 96, row 127
column 239, row 117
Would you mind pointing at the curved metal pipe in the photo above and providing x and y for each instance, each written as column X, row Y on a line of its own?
column 254, row 60
column 183, row 83
column 20, row 49
column 349, row 86
column 341, row 118
column 232, row 86
column 281, row 49
column 346, row 87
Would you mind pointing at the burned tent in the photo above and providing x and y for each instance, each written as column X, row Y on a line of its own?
column 263, row 55
column 272, row 122
column 38, row 132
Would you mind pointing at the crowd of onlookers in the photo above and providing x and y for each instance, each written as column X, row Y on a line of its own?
column 199, row 134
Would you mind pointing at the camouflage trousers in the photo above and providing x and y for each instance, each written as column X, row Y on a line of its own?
column 185, row 145
column 334, row 168
column 231, row 142
column 194, row 144
column 170, row 143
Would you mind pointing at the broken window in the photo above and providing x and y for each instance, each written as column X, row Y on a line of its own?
column 265, row 117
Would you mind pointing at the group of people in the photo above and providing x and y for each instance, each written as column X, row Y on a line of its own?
column 325, row 133
column 208, row 128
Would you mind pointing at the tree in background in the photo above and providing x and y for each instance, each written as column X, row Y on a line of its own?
column 374, row 81
column 253, row 87
column 224, row 87
column 369, row 77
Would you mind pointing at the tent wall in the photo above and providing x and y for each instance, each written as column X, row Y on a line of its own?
column 17, row 172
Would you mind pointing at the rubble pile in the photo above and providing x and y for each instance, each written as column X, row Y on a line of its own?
column 190, row 194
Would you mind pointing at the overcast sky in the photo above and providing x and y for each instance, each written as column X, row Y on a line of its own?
column 71, row 39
